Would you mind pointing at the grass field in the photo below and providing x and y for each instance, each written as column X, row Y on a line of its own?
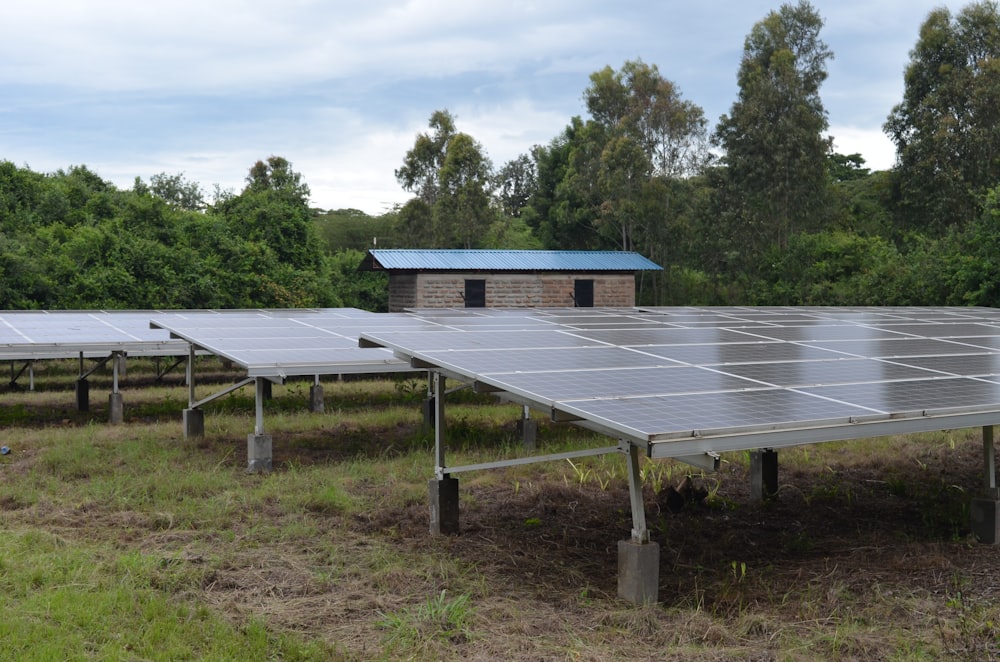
column 130, row 542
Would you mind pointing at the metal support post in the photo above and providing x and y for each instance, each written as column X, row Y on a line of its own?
column 428, row 405
column 116, row 405
column 189, row 375
column 194, row 418
column 259, row 395
column 638, row 558
column 258, row 443
column 984, row 512
column 438, row 381
column 640, row 534
column 442, row 489
column 116, row 358
column 989, row 462
column 82, row 389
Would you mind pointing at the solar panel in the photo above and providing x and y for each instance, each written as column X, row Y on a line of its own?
column 732, row 353
column 892, row 348
column 811, row 373
column 292, row 343
column 970, row 365
column 546, row 359
column 552, row 387
column 688, row 415
column 64, row 334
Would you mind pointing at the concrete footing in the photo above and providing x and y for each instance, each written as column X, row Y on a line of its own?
column 316, row 405
column 258, row 453
column 638, row 572
column 82, row 395
column 444, row 506
column 194, row 423
column 116, row 408
column 984, row 516
column 763, row 474
column 527, row 429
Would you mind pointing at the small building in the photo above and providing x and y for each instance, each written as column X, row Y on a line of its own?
column 507, row 278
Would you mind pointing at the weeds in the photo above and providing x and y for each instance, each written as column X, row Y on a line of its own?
column 438, row 619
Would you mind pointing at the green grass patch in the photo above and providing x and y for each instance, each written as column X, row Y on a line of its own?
column 66, row 600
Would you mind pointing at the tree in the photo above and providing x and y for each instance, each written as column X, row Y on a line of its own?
column 274, row 208
column 846, row 167
column 514, row 185
column 654, row 141
column 563, row 210
column 276, row 176
column 463, row 212
column 177, row 191
column 640, row 103
column 947, row 128
column 451, row 175
column 775, row 181
column 624, row 173
column 419, row 172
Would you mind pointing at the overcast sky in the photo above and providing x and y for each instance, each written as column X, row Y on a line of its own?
column 341, row 89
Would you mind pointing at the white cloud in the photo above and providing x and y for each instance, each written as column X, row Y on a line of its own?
column 342, row 88
column 876, row 148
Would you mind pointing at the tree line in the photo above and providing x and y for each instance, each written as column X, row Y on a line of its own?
column 70, row 240
column 757, row 210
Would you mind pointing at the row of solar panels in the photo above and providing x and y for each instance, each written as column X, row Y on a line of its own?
column 661, row 374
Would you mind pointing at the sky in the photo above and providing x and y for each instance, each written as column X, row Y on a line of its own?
column 342, row 89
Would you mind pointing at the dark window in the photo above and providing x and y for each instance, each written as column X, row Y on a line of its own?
column 583, row 293
column 475, row 294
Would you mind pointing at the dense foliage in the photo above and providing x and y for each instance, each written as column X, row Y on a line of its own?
column 757, row 210
column 70, row 240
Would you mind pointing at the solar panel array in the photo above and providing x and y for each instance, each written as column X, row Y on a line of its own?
column 667, row 375
column 673, row 376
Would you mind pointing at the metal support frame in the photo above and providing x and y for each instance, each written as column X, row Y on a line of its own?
column 500, row 464
column 116, row 359
column 226, row 391
column 29, row 365
column 984, row 511
column 195, row 404
column 189, row 375
column 438, row 393
column 640, row 534
column 258, row 427
column 98, row 364
column 161, row 372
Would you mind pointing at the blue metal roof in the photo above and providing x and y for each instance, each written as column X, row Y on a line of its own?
column 506, row 260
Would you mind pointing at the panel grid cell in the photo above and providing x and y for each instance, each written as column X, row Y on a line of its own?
column 665, row 415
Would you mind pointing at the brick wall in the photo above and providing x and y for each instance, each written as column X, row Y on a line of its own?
column 402, row 291
column 504, row 290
